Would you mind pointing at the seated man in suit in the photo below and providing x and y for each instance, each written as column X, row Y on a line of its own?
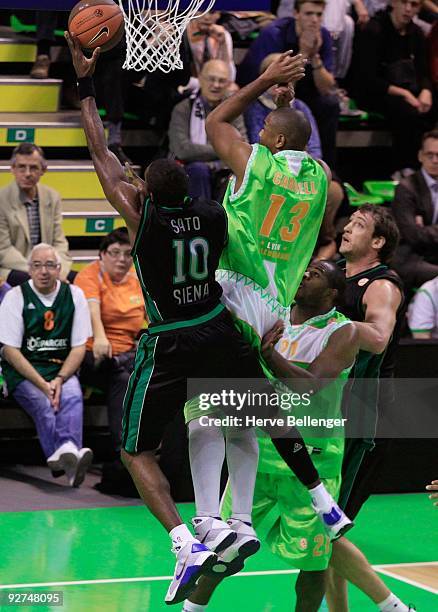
column 30, row 213
column 415, row 209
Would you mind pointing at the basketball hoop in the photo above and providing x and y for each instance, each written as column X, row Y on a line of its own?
column 153, row 36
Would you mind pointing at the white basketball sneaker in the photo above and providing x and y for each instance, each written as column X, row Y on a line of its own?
column 65, row 458
column 336, row 522
column 213, row 532
column 85, row 457
column 232, row 559
column 193, row 560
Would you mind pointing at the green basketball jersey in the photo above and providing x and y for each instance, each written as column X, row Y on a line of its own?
column 47, row 334
column 301, row 344
column 273, row 221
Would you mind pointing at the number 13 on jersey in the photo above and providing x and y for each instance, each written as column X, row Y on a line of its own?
column 290, row 230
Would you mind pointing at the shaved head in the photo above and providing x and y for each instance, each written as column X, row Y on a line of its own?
column 294, row 127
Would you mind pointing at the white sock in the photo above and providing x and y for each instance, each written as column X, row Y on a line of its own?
column 242, row 460
column 392, row 602
column 188, row 606
column 321, row 498
column 246, row 518
column 180, row 535
column 207, row 454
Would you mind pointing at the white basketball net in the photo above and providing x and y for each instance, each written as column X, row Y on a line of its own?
column 153, row 36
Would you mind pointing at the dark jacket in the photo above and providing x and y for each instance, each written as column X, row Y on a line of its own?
column 412, row 201
column 376, row 48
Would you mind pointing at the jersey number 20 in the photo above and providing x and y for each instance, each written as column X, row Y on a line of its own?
column 289, row 232
column 197, row 267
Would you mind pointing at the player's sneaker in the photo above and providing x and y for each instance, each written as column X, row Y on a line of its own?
column 232, row 559
column 336, row 521
column 213, row 532
column 193, row 560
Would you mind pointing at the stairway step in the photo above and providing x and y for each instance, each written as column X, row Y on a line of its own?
column 17, row 50
column 58, row 129
column 61, row 129
column 83, row 258
column 23, row 94
column 90, row 223
column 74, row 180
column 88, row 208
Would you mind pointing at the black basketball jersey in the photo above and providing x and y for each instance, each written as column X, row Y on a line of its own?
column 176, row 254
column 369, row 365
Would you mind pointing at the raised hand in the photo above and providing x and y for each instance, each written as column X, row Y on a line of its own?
column 286, row 69
column 283, row 95
column 83, row 66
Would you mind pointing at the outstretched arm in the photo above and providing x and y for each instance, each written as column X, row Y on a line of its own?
column 123, row 196
column 225, row 139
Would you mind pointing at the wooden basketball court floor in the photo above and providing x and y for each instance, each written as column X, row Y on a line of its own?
column 118, row 559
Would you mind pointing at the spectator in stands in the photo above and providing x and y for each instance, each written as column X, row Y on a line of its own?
column 340, row 25
column 415, row 209
column 303, row 33
column 390, row 74
column 255, row 116
column 117, row 316
column 44, row 325
column 188, row 138
column 423, row 311
column 46, row 23
column 29, row 213
column 208, row 40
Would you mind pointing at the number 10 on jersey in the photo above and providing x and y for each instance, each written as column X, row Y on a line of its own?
column 197, row 266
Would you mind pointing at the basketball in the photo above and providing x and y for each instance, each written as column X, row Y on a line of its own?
column 96, row 23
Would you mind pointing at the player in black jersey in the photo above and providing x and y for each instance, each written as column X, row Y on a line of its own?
column 374, row 300
column 177, row 243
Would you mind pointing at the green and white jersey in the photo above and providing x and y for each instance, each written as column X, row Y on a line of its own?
column 301, row 344
column 273, row 224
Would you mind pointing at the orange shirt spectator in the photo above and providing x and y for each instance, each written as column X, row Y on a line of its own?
column 121, row 304
column 117, row 314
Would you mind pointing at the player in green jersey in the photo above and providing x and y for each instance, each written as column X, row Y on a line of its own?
column 275, row 204
column 316, row 350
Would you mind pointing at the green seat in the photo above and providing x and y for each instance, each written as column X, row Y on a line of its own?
column 358, row 199
column 382, row 189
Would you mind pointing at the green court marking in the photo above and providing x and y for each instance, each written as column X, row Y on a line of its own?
column 126, row 543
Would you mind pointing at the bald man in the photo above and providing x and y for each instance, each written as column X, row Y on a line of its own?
column 188, row 139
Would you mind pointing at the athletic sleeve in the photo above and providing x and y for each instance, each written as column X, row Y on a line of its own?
column 422, row 313
column 81, row 329
column 11, row 318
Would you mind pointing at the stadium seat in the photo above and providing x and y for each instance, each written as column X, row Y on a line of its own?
column 358, row 199
column 382, row 189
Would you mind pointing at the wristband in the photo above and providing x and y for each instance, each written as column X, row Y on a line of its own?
column 318, row 67
column 63, row 378
column 86, row 88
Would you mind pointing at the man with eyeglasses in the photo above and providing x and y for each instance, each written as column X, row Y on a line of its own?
column 117, row 313
column 415, row 209
column 188, row 140
column 44, row 325
column 30, row 213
